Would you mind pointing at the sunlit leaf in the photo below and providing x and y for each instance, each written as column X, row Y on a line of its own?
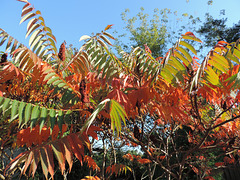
column 84, row 37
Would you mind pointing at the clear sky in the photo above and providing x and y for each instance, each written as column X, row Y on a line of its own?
column 70, row 19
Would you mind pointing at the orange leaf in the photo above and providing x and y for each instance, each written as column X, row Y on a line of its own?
column 91, row 163
column 44, row 162
column 68, row 153
column 128, row 156
column 108, row 27
column 91, row 178
column 34, row 162
column 28, row 161
column 59, row 151
column 162, row 157
column 144, row 161
column 189, row 34
column 49, row 155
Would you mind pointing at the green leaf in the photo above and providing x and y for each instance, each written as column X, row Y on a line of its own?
column 91, row 119
column 212, row 77
column 221, row 60
column 38, row 45
column 185, row 53
column 117, row 113
column 1, row 101
column 40, row 49
column 167, row 75
column 60, row 85
column 67, row 117
column 232, row 57
column 14, row 110
column 34, row 116
column 102, row 43
column 232, row 78
column 21, row 110
column 189, row 46
column 50, row 75
column 109, row 35
column 191, row 38
column 34, row 35
column 43, row 118
column 27, row 113
column 236, row 53
column 31, row 23
column 217, row 65
column 105, row 39
column 53, row 79
column 6, row 105
column 52, row 114
column 60, row 119
column 177, row 64
column 181, row 57
column 57, row 82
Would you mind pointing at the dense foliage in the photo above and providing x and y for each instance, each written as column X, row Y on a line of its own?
column 215, row 30
column 61, row 107
column 156, row 32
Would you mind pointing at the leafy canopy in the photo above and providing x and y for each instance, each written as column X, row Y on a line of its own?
column 55, row 105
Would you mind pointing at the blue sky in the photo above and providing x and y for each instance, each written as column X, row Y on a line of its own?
column 70, row 19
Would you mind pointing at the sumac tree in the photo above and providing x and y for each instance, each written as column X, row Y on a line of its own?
column 56, row 105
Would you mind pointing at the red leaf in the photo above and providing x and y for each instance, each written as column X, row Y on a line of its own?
column 75, row 143
column 219, row 164
column 194, row 169
column 91, row 163
column 209, row 178
column 91, row 131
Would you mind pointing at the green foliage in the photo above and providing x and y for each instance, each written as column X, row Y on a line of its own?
column 214, row 30
column 157, row 33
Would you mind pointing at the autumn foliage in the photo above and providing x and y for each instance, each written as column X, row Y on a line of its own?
column 180, row 111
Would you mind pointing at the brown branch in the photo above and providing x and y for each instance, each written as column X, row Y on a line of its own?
column 222, row 123
column 150, row 155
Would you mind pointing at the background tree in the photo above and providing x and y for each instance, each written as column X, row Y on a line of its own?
column 157, row 32
column 214, row 30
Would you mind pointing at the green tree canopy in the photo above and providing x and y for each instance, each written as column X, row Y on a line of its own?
column 215, row 30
